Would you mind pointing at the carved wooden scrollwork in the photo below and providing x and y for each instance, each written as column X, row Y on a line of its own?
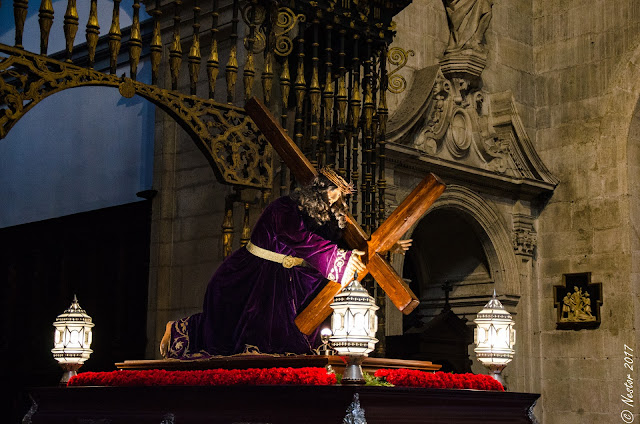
column 236, row 150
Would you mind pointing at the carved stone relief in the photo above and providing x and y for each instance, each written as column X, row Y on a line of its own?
column 459, row 123
column 455, row 127
column 524, row 235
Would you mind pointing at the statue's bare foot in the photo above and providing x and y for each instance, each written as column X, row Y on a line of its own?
column 164, row 343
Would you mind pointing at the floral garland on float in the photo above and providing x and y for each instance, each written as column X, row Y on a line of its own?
column 309, row 376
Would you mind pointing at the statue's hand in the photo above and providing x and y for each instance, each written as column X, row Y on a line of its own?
column 354, row 266
column 401, row 246
column 357, row 262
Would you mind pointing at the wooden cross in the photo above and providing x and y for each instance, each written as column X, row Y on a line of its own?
column 383, row 239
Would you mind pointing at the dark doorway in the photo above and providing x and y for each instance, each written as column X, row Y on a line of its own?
column 448, row 269
column 102, row 257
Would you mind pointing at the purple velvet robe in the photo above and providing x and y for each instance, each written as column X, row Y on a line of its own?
column 254, row 301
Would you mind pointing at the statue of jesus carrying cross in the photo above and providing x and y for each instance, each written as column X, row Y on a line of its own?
column 297, row 256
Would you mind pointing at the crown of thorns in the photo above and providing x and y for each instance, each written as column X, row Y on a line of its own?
column 337, row 180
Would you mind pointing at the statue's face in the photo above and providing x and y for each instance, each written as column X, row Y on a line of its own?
column 333, row 194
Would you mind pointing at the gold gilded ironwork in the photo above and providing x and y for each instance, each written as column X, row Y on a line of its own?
column 213, row 68
column 245, row 236
column 285, row 85
column 247, row 75
column 341, row 97
column 287, row 20
column 135, row 41
column 45, row 19
column 213, row 63
column 576, row 307
column 227, row 230
column 115, row 37
column 399, row 58
column 266, row 194
column 300, row 84
column 328, row 91
column 126, row 88
column 341, row 104
column 249, row 14
column 232, row 64
column 253, row 14
column 194, row 52
column 383, row 114
column 327, row 96
column 93, row 32
column 20, row 8
column 341, row 100
column 236, row 151
column 368, row 106
column 267, row 78
column 175, row 51
column 354, row 111
column 156, row 44
column 315, row 93
column 71, row 22
column 314, row 84
column 285, row 89
column 232, row 73
column 300, row 89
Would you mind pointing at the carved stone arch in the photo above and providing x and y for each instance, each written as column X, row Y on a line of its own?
column 492, row 231
column 237, row 152
column 487, row 260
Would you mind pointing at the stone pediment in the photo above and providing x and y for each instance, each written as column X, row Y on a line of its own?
column 452, row 127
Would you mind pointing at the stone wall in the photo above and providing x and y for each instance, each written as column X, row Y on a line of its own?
column 571, row 67
column 186, row 237
column 585, row 99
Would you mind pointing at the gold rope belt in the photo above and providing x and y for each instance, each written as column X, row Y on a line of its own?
column 286, row 260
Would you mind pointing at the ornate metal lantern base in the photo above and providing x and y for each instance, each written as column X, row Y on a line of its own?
column 353, row 371
column 69, row 371
column 496, row 373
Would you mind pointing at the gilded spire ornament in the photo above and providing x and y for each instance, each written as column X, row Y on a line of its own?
column 267, row 78
column 20, row 8
column 194, row 52
column 70, row 26
column 45, row 20
column 156, row 43
column 246, row 228
column 213, row 63
column 135, row 41
column 93, row 32
column 227, row 230
column 115, row 37
column 175, row 51
column 232, row 64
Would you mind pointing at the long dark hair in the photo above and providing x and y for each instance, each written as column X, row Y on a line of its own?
column 313, row 201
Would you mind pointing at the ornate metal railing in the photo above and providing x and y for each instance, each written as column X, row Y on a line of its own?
column 321, row 65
